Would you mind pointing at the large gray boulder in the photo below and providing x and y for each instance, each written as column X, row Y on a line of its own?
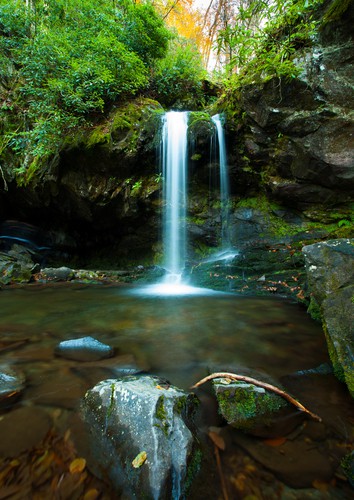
column 140, row 436
column 330, row 273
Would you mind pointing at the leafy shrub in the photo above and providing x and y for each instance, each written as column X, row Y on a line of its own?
column 178, row 77
column 72, row 59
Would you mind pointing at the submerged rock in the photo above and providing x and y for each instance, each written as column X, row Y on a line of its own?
column 330, row 274
column 140, row 436
column 22, row 429
column 84, row 349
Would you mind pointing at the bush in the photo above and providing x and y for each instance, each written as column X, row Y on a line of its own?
column 177, row 79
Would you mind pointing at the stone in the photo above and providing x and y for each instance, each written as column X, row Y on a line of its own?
column 57, row 274
column 84, row 349
column 22, row 429
column 12, row 383
column 298, row 463
column 254, row 409
column 330, row 273
column 134, row 414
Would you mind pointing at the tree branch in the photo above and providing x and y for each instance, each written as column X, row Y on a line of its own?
column 265, row 385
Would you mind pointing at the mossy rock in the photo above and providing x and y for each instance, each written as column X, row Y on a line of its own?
column 200, row 126
column 128, row 128
column 246, row 406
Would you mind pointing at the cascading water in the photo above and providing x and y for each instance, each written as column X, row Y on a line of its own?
column 226, row 251
column 224, row 182
column 174, row 170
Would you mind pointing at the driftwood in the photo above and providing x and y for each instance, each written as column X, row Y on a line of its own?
column 265, row 385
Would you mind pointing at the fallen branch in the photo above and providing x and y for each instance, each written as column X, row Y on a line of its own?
column 265, row 385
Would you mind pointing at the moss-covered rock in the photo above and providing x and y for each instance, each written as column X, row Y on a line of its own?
column 330, row 275
column 251, row 408
column 134, row 417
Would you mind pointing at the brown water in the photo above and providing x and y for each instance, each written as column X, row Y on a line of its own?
column 181, row 338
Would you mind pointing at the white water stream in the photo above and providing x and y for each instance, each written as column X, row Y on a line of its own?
column 174, row 170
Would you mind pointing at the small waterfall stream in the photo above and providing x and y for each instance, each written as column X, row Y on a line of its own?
column 224, row 182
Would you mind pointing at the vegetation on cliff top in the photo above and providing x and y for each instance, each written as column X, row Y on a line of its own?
column 63, row 64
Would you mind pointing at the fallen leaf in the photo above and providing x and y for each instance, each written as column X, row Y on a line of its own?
column 275, row 441
column 139, row 460
column 217, row 440
column 320, row 485
column 77, row 465
column 91, row 494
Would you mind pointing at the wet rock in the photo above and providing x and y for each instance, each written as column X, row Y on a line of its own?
column 16, row 265
column 12, row 384
column 142, row 417
column 297, row 463
column 84, row 349
column 57, row 274
column 22, row 429
column 330, row 273
column 254, row 409
column 59, row 389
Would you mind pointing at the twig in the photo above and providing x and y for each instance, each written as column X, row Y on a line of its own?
column 221, row 475
column 265, row 385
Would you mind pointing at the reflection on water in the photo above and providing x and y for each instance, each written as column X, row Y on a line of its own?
column 180, row 337
column 169, row 332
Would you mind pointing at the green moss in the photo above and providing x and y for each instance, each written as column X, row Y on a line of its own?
column 112, row 402
column 337, row 367
column 335, row 11
column 347, row 465
column 161, row 415
column 314, row 310
column 244, row 405
column 193, row 468
column 99, row 136
column 200, row 125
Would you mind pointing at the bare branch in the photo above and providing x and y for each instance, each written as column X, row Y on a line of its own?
column 265, row 385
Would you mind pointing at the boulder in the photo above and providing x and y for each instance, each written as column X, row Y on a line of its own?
column 330, row 273
column 140, row 436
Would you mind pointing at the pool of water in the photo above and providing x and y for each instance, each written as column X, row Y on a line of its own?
column 181, row 338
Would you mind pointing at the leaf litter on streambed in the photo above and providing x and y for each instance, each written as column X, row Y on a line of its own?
column 52, row 469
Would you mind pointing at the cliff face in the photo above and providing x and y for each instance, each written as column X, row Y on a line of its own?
column 298, row 135
column 290, row 157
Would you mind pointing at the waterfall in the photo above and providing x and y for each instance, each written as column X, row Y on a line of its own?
column 174, row 171
column 224, row 183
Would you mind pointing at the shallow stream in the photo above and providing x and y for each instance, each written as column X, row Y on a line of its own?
column 182, row 339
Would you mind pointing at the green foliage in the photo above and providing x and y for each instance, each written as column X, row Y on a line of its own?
column 265, row 39
column 177, row 79
column 63, row 62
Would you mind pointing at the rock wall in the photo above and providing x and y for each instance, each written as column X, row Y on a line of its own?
column 330, row 273
column 296, row 138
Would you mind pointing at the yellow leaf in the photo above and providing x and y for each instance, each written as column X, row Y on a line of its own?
column 139, row 459
column 77, row 465
column 91, row 494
